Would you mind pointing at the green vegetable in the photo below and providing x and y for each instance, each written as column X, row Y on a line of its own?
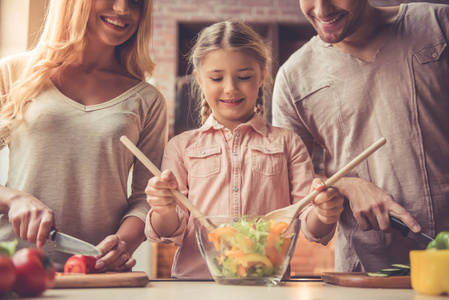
column 249, row 248
column 8, row 248
column 377, row 274
column 401, row 266
column 396, row 270
column 441, row 242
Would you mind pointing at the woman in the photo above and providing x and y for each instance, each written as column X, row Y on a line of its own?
column 63, row 107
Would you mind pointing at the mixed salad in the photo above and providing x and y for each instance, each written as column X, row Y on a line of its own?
column 249, row 248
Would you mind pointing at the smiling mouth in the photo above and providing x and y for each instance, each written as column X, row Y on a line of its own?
column 337, row 18
column 231, row 100
column 115, row 22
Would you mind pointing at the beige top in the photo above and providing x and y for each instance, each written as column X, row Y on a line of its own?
column 69, row 156
column 345, row 105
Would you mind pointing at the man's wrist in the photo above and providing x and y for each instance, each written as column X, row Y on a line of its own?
column 346, row 186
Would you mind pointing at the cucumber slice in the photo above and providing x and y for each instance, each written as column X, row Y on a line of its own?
column 377, row 274
column 395, row 271
column 401, row 266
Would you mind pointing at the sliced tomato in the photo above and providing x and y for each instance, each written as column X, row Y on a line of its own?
column 80, row 264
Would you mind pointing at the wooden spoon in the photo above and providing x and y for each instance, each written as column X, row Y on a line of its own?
column 156, row 172
column 294, row 210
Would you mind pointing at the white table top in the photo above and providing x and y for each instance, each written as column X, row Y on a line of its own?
column 194, row 290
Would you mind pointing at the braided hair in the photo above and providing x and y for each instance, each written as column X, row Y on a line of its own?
column 230, row 35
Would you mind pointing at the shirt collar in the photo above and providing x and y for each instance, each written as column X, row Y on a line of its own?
column 323, row 43
column 256, row 122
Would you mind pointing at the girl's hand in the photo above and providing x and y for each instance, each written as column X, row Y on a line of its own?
column 115, row 256
column 159, row 196
column 328, row 204
column 31, row 219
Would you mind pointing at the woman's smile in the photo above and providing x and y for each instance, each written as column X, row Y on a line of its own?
column 115, row 23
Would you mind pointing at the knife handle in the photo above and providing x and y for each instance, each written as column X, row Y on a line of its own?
column 399, row 225
column 51, row 234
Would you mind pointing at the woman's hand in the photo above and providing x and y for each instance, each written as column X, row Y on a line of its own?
column 31, row 219
column 328, row 204
column 115, row 256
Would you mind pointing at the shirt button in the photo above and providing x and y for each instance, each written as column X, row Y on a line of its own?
column 434, row 55
column 235, row 153
column 237, row 134
column 235, row 189
column 203, row 153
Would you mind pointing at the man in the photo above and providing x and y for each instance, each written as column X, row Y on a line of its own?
column 375, row 72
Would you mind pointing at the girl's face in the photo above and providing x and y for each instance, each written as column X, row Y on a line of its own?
column 230, row 81
column 334, row 20
column 113, row 22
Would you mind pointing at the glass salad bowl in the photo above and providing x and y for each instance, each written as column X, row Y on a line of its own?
column 247, row 250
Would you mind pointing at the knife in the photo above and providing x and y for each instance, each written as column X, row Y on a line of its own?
column 406, row 232
column 69, row 244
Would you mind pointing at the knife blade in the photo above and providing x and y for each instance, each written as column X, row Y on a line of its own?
column 406, row 232
column 69, row 244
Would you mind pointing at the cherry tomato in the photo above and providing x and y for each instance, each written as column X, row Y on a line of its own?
column 35, row 272
column 7, row 274
column 80, row 264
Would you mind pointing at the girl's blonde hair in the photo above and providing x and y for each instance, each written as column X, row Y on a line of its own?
column 63, row 40
column 233, row 36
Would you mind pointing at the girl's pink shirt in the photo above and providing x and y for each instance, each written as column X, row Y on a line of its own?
column 253, row 170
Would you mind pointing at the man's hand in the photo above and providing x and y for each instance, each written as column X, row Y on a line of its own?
column 372, row 206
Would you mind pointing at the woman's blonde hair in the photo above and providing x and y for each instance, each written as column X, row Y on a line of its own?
column 233, row 36
column 63, row 40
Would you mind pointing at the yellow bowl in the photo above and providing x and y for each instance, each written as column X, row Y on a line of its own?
column 429, row 271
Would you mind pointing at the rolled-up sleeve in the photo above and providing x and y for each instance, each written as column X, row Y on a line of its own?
column 308, row 235
column 176, row 238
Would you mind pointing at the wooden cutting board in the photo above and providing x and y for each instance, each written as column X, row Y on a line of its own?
column 126, row 279
column 360, row 279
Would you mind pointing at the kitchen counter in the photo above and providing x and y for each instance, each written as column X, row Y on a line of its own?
column 194, row 290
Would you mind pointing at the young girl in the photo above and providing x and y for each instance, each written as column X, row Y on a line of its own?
column 63, row 107
column 236, row 163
